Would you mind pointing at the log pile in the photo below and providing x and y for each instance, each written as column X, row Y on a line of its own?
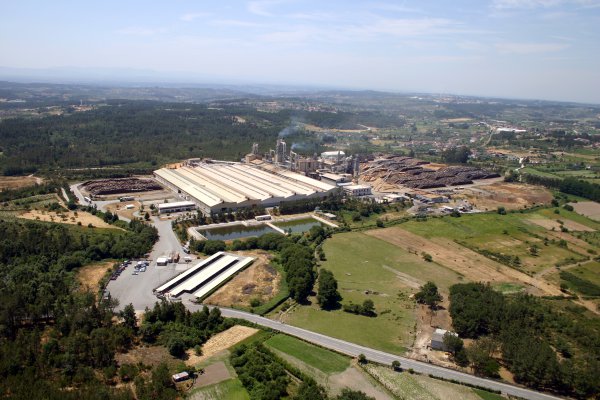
column 413, row 173
column 120, row 185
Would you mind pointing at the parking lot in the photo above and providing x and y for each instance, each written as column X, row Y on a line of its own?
column 137, row 288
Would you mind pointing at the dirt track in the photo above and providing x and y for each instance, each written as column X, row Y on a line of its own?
column 473, row 266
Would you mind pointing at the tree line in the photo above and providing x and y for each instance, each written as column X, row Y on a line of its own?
column 543, row 348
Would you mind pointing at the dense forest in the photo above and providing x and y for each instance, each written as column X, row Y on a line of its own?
column 53, row 334
column 131, row 132
column 544, row 347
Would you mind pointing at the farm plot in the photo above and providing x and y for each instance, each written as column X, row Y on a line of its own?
column 368, row 268
column 16, row 182
column 473, row 266
column 408, row 386
column 590, row 209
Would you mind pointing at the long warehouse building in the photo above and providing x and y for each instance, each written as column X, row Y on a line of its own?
column 216, row 187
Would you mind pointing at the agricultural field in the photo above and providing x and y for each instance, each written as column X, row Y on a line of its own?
column 329, row 369
column 229, row 389
column 16, row 182
column 503, row 237
column 590, row 209
column 324, row 360
column 368, row 268
column 419, row 387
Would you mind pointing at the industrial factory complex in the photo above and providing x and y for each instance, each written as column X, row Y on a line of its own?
column 216, row 186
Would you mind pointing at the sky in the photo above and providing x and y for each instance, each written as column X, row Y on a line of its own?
column 534, row 49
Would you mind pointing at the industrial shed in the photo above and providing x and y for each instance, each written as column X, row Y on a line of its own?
column 206, row 276
column 219, row 186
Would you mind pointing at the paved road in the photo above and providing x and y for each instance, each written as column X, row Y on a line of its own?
column 354, row 350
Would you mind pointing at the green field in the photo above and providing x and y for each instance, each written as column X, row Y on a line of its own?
column 488, row 395
column 230, row 389
column 363, row 263
column 512, row 235
column 589, row 271
column 317, row 357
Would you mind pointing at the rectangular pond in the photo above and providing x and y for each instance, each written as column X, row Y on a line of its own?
column 298, row 225
column 237, row 231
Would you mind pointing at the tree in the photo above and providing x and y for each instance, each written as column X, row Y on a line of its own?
column 427, row 257
column 396, row 365
column 128, row 315
column 480, row 356
column 362, row 359
column 368, row 308
column 147, row 216
column 453, row 343
column 429, row 295
column 328, row 296
column 501, row 210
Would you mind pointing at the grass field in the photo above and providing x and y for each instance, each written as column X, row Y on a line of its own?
column 362, row 264
column 420, row 387
column 589, row 271
column 488, row 395
column 230, row 389
column 512, row 234
column 317, row 357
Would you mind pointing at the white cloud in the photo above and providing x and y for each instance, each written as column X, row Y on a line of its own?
column 192, row 16
column 529, row 48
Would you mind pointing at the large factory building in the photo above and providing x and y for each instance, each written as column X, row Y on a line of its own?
column 218, row 186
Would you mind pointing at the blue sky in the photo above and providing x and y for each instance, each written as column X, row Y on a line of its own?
column 547, row 49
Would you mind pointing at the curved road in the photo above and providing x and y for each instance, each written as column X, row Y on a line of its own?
column 354, row 350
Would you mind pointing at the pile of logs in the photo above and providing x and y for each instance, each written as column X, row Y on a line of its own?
column 120, row 185
column 413, row 173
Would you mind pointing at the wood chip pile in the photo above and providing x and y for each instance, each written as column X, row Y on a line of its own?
column 120, row 185
column 411, row 172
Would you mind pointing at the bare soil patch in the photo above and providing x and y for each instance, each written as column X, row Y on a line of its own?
column 473, row 266
column 90, row 275
column 16, row 182
column 214, row 373
column 354, row 379
column 121, row 208
column 590, row 209
column 503, row 194
column 554, row 224
column 259, row 281
column 66, row 217
column 220, row 342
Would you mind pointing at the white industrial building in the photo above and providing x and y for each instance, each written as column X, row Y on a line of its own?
column 219, row 186
column 178, row 206
column 206, row 276
column 357, row 190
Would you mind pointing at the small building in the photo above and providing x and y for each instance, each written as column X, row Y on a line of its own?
column 358, row 190
column 162, row 261
column 180, row 377
column 329, row 215
column 334, row 179
column 394, row 198
column 437, row 339
column 178, row 206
